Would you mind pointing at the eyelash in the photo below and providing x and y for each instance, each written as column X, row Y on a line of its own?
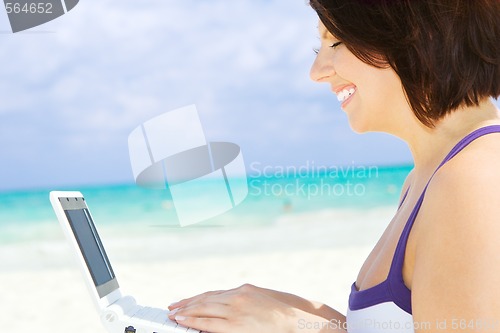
column 333, row 46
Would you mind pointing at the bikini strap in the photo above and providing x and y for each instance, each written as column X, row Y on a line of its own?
column 396, row 270
column 404, row 197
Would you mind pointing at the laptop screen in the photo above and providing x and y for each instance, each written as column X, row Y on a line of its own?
column 90, row 246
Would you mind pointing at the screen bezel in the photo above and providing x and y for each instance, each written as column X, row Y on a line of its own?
column 72, row 203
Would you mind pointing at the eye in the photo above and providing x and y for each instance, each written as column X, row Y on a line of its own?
column 334, row 45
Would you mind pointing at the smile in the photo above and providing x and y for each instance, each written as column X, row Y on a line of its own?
column 343, row 95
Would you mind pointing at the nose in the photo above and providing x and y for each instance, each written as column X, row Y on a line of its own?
column 322, row 68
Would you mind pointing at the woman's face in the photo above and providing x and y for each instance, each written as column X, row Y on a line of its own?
column 372, row 98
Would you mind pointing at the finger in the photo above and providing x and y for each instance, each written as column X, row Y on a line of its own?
column 186, row 301
column 213, row 325
column 202, row 310
column 203, row 297
column 222, row 297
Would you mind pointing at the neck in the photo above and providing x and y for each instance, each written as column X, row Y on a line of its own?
column 429, row 146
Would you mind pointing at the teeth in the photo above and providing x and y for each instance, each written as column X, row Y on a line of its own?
column 345, row 94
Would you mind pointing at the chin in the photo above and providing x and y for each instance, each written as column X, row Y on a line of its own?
column 365, row 122
column 358, row 126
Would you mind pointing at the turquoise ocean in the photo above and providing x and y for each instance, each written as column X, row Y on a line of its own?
column 27, row 215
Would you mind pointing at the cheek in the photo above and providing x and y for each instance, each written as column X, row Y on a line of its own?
column 380, row 86
column 345, row 63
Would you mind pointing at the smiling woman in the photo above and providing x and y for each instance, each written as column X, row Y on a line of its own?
column 424, row 71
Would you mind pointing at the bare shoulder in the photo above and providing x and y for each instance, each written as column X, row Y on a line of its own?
column 473, row 174
column 467, row 188
column 483, row 150
column 457, row 257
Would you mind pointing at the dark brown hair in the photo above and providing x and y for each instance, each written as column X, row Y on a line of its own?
column 446, row 52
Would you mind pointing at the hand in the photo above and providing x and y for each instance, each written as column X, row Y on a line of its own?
column 243, row 309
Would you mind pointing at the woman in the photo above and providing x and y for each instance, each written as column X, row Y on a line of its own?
column 424, row 71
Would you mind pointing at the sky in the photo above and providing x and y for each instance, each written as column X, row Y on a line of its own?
column 73, row 89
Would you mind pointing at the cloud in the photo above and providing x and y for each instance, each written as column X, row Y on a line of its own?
column 70, row 97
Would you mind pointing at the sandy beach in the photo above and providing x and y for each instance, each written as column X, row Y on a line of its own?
column 315, row 255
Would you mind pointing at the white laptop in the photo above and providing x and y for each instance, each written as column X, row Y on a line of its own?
column 119, row 314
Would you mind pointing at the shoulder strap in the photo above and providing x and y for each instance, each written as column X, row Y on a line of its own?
column 397, row 261
column 465, row 141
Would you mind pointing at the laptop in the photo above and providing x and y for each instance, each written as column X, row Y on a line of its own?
column 118, row 313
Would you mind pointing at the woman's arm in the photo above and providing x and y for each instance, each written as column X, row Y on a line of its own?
column 315, row 308
column 456, row 278
column 253, row 309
